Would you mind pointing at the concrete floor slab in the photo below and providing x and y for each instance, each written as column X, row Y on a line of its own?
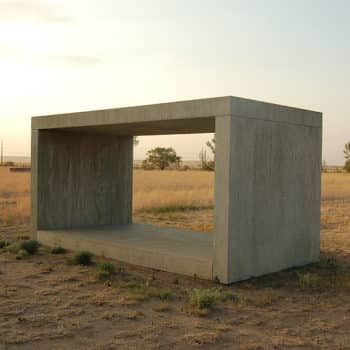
column 166, row 249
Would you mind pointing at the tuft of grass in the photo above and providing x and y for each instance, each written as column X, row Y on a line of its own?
column 82, row 258
column 21, row 254
column 107, row 266
column 13, row 248
column 309, row 280
column 175, row 208
column 4, row 243
column 31, row 246
column 266, row 299
column 161, row 293
column 58, row 250
column 138, row 291
column 105, row 271
column 163, row 307
column 199, row 312
column 329, row 262
column 323, row 282
column 205, row 339
column 104, row 276
column 204, row 298
column 236, row 299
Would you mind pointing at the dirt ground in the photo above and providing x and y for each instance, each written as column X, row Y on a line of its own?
column 48, row 303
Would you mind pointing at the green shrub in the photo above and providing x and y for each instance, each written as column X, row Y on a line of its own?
column 107, row 266
column 204, row 298
column 21, row 254
column 58, row 250
column 82, row 258
column 104, row 275
column 4, row 244
column 105, row 271
column 31, row 246
column 165, row 294
column 13, row 248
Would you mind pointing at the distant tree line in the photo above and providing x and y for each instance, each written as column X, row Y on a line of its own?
column 163, row 158
column 347, row 157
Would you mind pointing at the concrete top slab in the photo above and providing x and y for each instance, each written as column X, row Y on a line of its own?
column 193, row 116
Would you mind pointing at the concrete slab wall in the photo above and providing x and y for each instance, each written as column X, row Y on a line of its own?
column 268, row 213
column 82, row 180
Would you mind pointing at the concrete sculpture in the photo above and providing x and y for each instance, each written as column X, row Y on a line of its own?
column 267, row 186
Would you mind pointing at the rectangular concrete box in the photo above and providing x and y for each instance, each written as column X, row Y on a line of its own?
column 267, row 186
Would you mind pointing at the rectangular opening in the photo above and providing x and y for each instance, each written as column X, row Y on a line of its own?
column 171, row 226
column 181, row 195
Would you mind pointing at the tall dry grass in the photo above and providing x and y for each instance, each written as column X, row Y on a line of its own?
column 174, row 189
column 14, row 197
column 152, row 189
column 335, row 186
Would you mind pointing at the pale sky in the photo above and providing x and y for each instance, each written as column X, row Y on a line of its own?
column 64, row 56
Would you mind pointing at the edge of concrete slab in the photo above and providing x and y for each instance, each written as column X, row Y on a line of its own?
column 136, row 254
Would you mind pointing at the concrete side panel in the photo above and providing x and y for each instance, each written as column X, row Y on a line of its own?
column 34, row 183
column 275, row 181
column 82, row 180
column 222, row 238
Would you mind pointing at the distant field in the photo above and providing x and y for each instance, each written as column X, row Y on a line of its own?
column 153, row 190
column 335, row 186
column 14, row 196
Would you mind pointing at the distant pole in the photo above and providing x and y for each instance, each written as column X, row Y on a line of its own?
column 2, row 153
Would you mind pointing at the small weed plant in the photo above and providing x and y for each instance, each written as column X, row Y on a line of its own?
column 309, row 281
column 31, row 246
column 82, row 258
column 21, row 254
column 105, row 271
column 204, row 298
column 58, row 250
column 329, row 262
column 4, row 244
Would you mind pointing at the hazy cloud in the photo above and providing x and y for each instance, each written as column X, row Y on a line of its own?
column 74, row 60
column 33, row 10
column 48, row 59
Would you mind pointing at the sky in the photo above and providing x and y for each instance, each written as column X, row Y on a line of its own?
column 66, row 56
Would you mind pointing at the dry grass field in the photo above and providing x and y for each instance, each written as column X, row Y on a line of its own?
column 46, row 302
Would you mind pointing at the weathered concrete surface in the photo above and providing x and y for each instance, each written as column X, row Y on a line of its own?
column 83, row 180
column 267, row 180
column 192, row 116
column 168, row 249
column 268, row 196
